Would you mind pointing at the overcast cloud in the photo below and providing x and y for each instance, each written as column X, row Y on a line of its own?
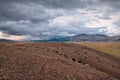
column 44, row 19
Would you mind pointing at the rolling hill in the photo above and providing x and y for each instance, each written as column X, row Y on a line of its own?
column 115, row 38
column 112, row 48
column 56, row 61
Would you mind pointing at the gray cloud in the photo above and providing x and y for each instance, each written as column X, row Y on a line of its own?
column 55, row 3
column 43, row 19
column 12, row 31
column 117, row 23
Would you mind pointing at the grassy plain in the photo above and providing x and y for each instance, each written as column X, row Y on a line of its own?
column 107, row 47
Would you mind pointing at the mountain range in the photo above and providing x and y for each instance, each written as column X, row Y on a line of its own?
column 78, row 38
column 83, row 38
column 6, row 40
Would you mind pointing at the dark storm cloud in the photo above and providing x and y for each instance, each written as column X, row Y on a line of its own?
column 24, row 11
column 113, row 6
column 12, row 31
column 34, row 10
column 68, row 3
column 38, row 18
column 112, row 3
column 18, row 11
column 55, row 3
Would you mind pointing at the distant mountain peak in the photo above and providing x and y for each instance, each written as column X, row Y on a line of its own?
column 5, row 40
column 82, row 35
column 78, row 38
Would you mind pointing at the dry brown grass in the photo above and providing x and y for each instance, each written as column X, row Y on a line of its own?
column 54, row 61
column 107, row 47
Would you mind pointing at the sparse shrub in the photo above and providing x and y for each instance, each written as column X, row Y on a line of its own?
column 113, row 66
column 85, row 57
column 65, row 55
column 60, row 54
column 57, row 51
column 79, row 61
column 47, row 49
column 36, row 46
column 61, row 48
column 76, row 51
column 73, row 59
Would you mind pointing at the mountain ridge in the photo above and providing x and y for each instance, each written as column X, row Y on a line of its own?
column 83, row 38
column 6, row 40
column 77, row 38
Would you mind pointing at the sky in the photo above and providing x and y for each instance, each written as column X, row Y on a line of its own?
column 45, row 19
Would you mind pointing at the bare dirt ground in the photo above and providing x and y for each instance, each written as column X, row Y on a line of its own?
column 56, row 61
